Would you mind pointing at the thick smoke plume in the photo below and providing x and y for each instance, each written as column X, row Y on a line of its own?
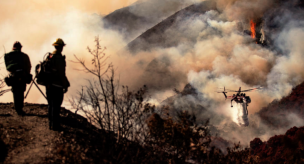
column 219, row 54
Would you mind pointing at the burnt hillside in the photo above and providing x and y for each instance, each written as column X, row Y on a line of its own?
column 286, row 148
column 156, row 37
column 126, row 22
column 135, row 19
column 276, row 113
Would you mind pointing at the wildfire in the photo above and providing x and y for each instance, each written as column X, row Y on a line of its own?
column 252, row 27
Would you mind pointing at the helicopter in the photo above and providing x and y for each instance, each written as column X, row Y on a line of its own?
column 239, row 97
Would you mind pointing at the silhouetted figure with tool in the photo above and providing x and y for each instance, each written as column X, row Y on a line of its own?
column 58, row 85
column 19, row 66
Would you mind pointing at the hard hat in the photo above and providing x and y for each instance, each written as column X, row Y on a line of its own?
column 17, row 45
column 59, row 42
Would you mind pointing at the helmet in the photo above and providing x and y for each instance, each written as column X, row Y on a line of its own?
column 59, row 42
column 17, row 45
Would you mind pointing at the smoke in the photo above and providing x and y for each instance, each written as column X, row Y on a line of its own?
column 217, row 56
column 243, row 9
column 278, row 69
column 212, row 52
column 288, row 72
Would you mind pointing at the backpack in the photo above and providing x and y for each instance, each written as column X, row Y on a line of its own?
column 15, row 65
column 44, row 71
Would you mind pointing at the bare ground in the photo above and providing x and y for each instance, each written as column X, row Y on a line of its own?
column 27, row 139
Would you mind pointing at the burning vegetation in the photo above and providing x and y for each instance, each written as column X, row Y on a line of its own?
column 252, row 28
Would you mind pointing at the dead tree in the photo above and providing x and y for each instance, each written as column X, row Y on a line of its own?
column 105, row 104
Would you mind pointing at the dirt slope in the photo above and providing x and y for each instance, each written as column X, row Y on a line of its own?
column 23, row 136
column 28, row 139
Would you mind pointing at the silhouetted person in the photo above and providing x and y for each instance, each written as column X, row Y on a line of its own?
column 59, row 84
column 19, row 66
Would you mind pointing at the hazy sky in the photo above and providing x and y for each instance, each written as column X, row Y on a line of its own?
column 97, row 6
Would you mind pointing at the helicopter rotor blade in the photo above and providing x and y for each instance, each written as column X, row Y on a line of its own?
column 253, row 89
column 247, row 90
column 228, row 90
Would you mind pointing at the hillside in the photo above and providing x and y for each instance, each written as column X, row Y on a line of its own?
column 285, row 148
column 28, row 140
column 170, row 32
column 135, row 19
column 276, row 113
column 126, row 22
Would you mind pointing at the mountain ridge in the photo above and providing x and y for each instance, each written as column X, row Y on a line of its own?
column 154, row 37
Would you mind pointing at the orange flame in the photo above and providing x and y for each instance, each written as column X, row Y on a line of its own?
column 252, row 27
